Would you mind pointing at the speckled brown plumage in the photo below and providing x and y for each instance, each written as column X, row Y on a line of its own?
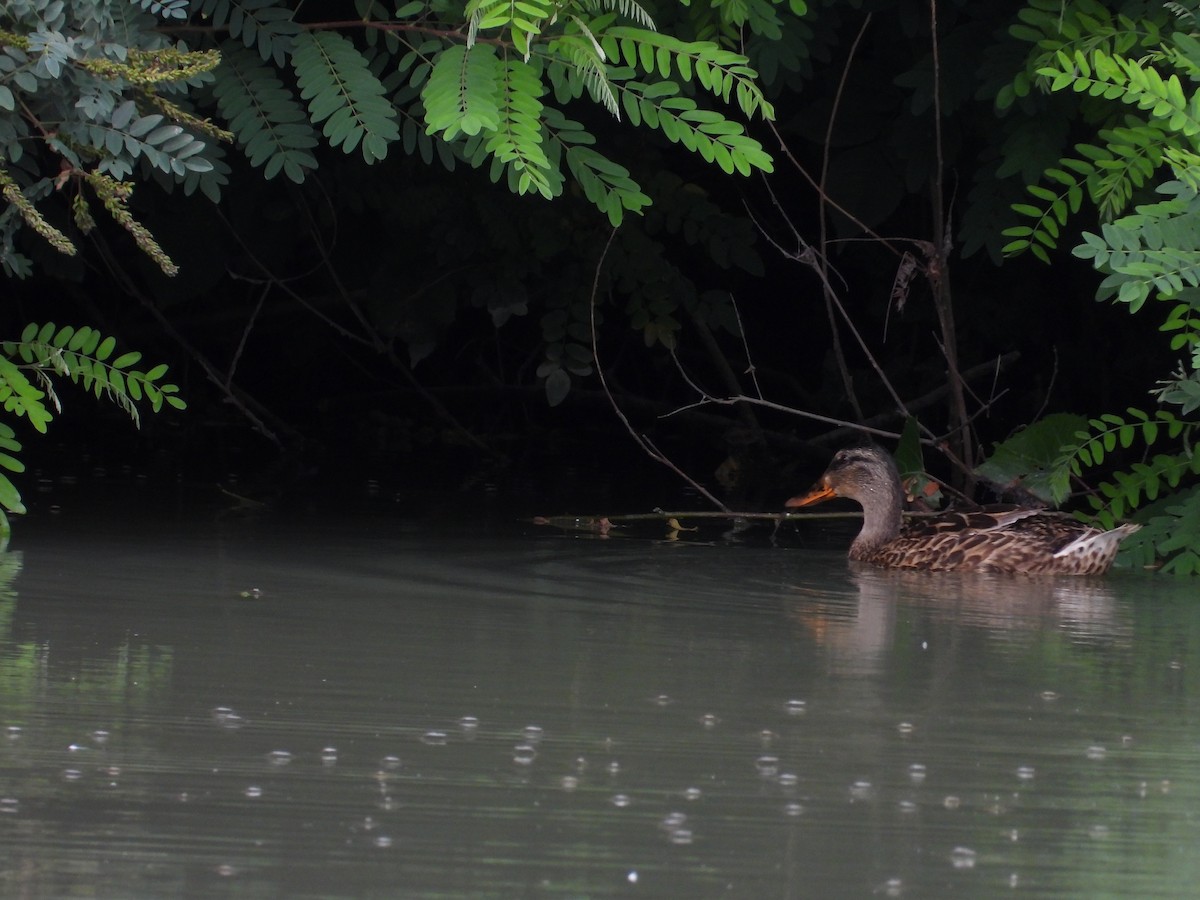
column 992, row 539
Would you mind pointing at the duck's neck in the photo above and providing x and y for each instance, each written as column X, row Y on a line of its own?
column 881, row 505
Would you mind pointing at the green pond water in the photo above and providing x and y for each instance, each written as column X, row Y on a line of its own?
column 365, row 708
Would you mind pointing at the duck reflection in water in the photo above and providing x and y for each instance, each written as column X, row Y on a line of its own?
column 856, row 627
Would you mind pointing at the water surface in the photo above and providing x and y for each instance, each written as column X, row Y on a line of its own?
column 367, row 708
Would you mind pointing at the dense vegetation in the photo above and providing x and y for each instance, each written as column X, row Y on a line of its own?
column 365, row 226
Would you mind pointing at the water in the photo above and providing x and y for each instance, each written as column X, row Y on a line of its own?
column 368, row 709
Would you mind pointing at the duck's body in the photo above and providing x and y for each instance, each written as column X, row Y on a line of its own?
column 992, row 539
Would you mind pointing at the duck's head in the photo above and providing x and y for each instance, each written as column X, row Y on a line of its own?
column 866, row 474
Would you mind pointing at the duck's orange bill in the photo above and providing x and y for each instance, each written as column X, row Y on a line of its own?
column 816, row 495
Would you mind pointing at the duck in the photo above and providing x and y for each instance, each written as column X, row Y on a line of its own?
column 999, row 539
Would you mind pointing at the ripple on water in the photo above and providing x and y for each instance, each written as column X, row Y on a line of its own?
column 767, row 766
column 963, row 858
column 227, row 717
column 861, row 790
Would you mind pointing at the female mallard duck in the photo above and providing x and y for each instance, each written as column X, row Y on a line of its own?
column 991, row 539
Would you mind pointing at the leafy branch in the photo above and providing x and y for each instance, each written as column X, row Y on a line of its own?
column 84, row 356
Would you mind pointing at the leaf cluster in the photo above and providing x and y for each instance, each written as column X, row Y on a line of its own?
column 1158, row 490
column 109, row 90
column 45, row 352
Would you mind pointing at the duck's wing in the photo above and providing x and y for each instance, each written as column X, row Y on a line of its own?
column 1003, row 539
column 985, row 519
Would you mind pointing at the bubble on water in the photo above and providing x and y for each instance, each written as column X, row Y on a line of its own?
column 1098, row 832
column 434, row 738
column 390, row 762
column 793, row 809
column 893, row 887
column 917, row 773
column 767, row 736
column 533, row 733
column 1014, row 835
column 950, row 801
column 1175, row 664
column 279, row 757
column 100, row 737
column 1049, row 696
column 112, row 771
column 662, row 700
column 796, row 707
column 1142, row 789
column 963, row 858
column 1026, row 773
column 524, row 754
column 329, row 756
column 253, row 792
column 387, row 803
column 708, row 720
column 382, row 841
column 768, row 766
column 1164, row 786
column 1014, row 880
column 75, row 748
column 468, row 723
column 906, row 728
column 908, row 807
column 613, row 767
column 1096, row 751
column 581, row 764
column 861, row 790
column 568, row 782
column 225, row 870
column 13, row 732
column 71, row 774
column 787, row 779
column 9, row 805
column 620, row 801
column 692, row 793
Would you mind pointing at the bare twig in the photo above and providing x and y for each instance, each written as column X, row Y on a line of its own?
column 938, row 271
column 642, row 441
column 751, row 370
column 237, row 353
column 839, row 354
